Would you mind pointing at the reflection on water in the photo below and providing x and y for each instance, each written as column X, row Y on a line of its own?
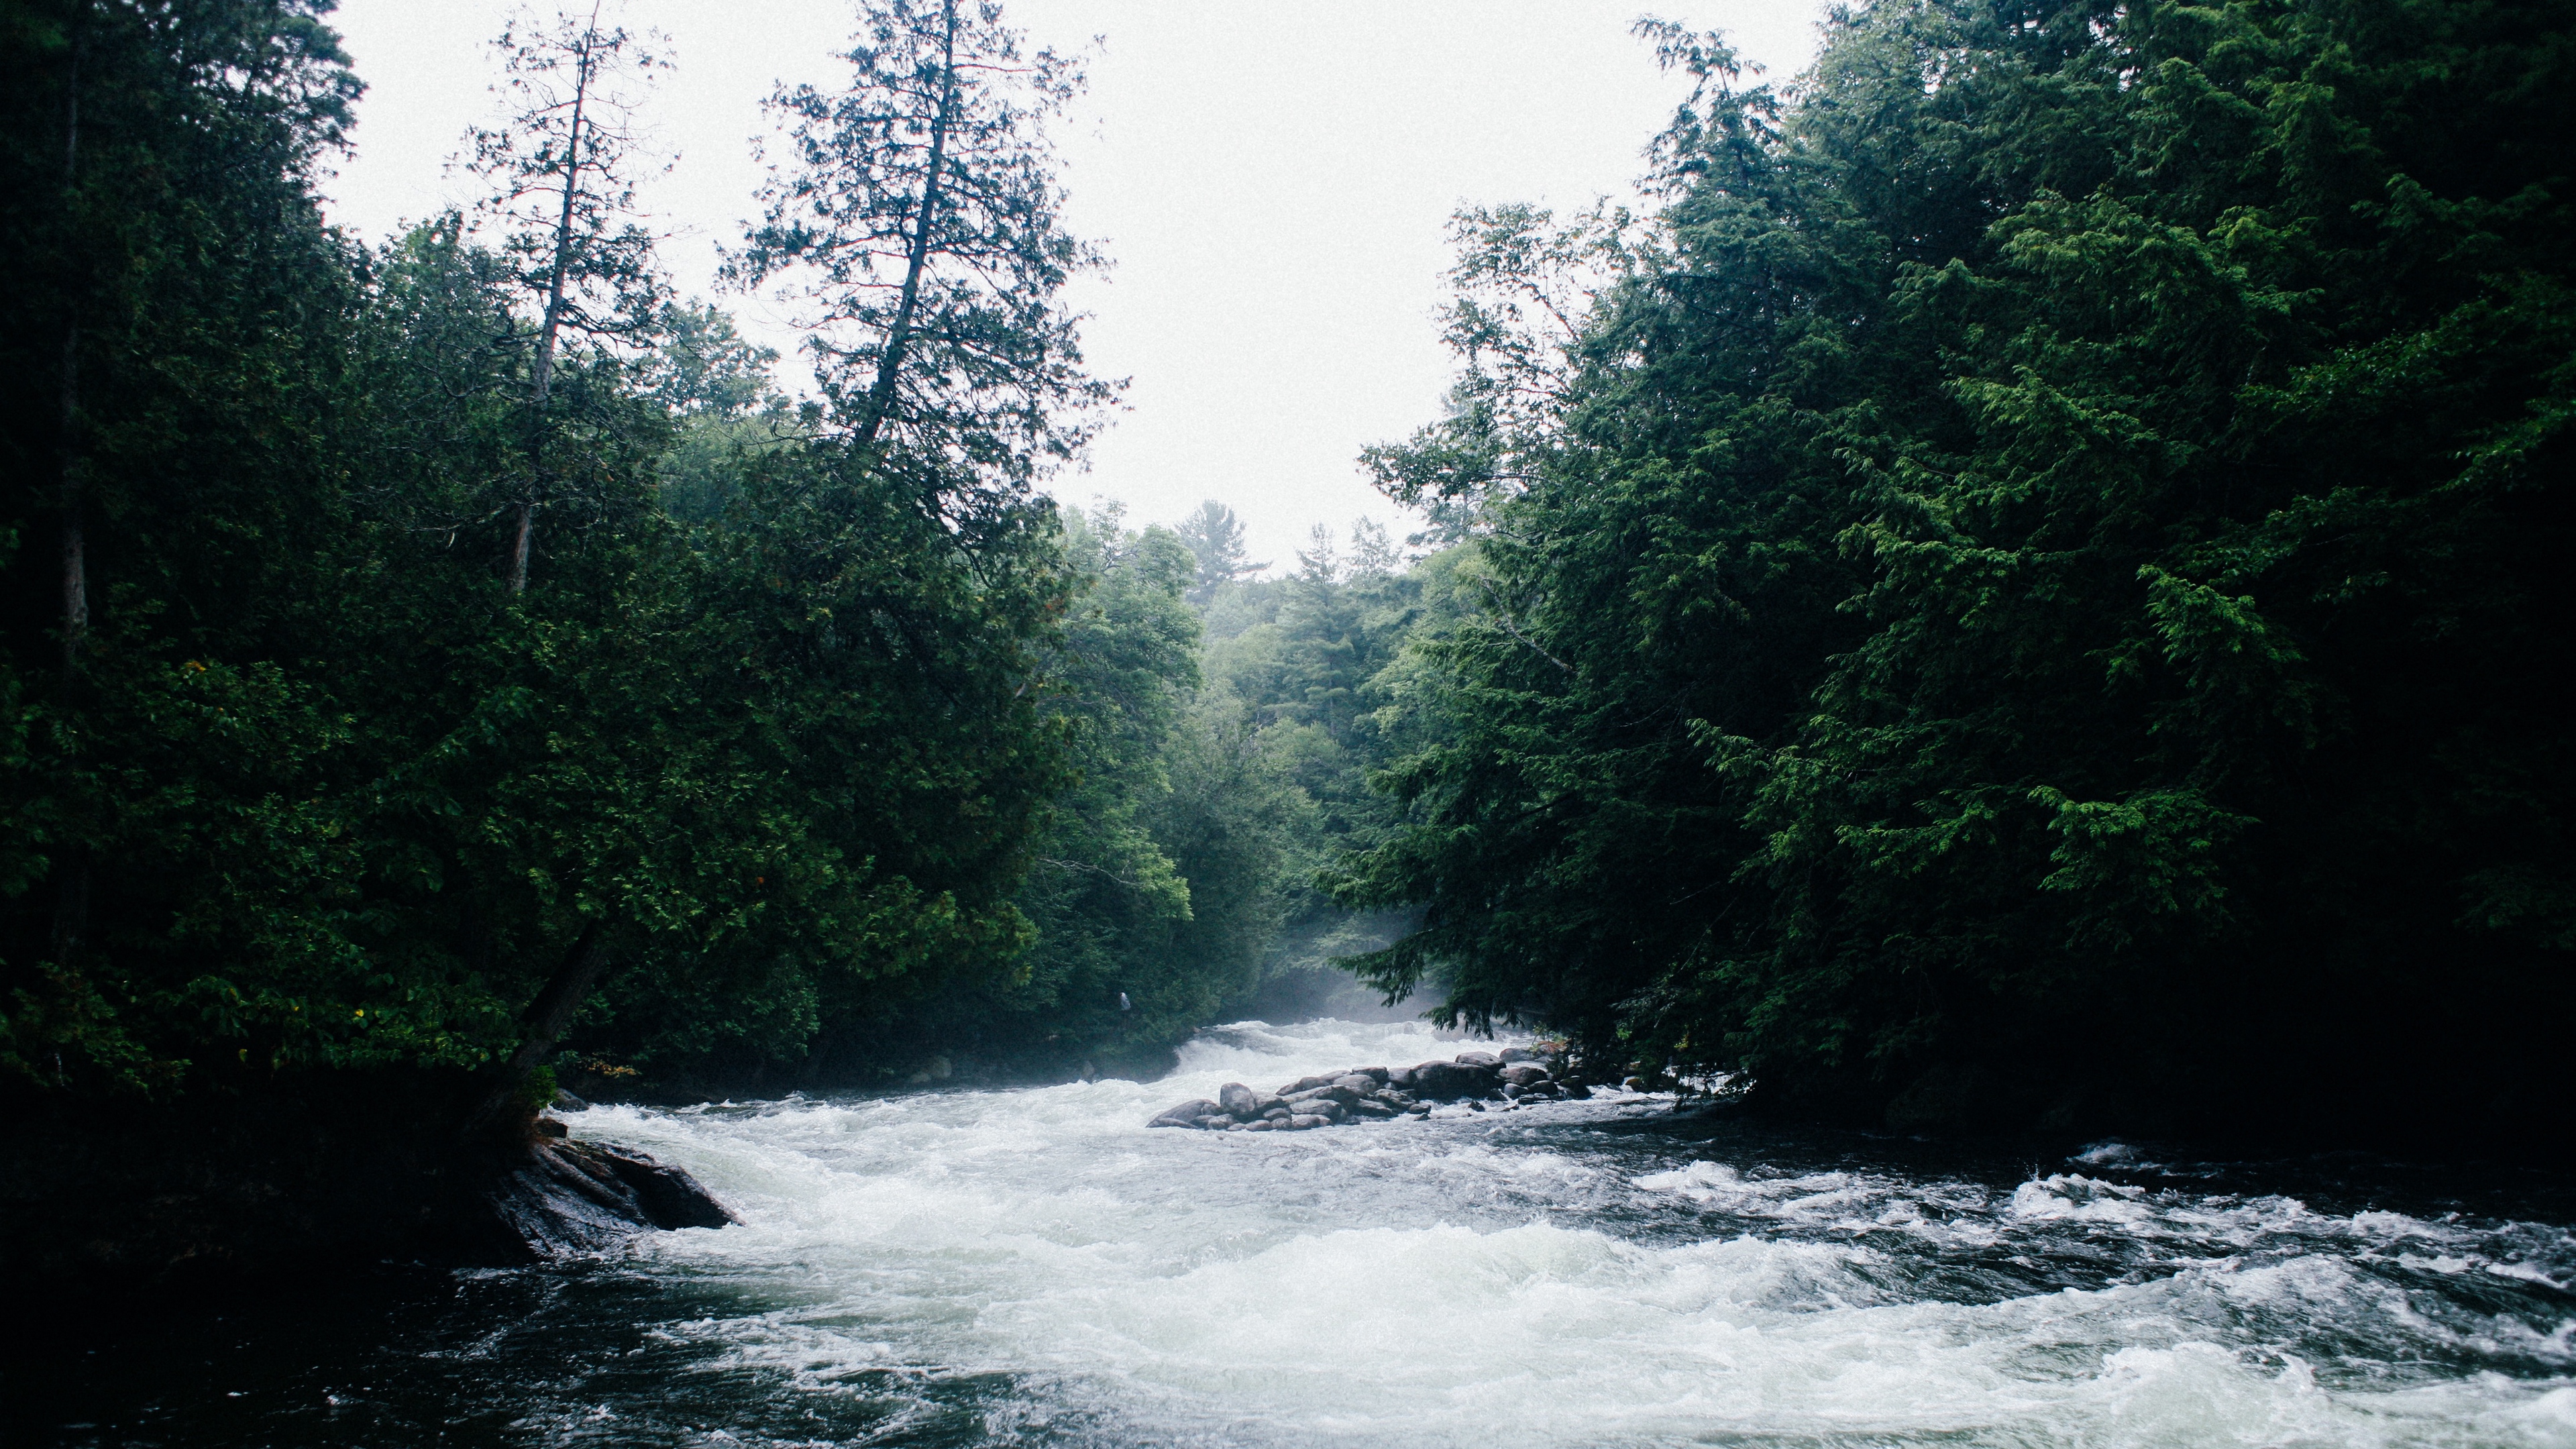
column 1033, row 1267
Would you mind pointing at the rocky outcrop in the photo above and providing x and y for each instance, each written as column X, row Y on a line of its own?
column 1373, row 1094
column 580, row 1197
column 280, row 1181
column 1188, row 1114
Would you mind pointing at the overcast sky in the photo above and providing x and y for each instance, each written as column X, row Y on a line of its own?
column 1272, row 179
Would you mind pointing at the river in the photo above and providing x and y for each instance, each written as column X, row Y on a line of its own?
column 1032, row 1267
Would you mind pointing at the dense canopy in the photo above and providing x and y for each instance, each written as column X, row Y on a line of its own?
column 2025, row 591
column 2034, row 579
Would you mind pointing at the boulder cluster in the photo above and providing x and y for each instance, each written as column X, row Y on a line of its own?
column 1374, row 1093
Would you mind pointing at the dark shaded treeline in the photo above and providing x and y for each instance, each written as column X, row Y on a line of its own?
column 2033, row 590
column 327, row 777
column 2023, row 596
column 433, row 667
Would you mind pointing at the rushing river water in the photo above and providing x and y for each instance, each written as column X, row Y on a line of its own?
column 1032, row 1267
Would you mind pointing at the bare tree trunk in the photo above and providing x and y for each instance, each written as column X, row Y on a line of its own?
column 552, row 328
column 899, row 334
column 548, row 1017
column 519, row 539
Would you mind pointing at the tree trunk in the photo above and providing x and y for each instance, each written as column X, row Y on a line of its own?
column 520, row 537
column 548, row 1017
column 551, row 329
column 916, row 260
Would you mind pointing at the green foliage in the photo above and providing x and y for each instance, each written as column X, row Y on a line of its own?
column 2038, row 557
column 314, row 785
column 1215, row 539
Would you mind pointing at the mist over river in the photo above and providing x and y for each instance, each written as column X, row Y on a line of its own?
column 1027, row 1267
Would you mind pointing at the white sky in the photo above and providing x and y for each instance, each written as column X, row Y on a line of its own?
column 1273, row 181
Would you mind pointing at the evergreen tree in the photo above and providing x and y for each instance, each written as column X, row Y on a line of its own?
column 2027, row 577
column 1215, row 538
column 919, row 225
column 564, row 167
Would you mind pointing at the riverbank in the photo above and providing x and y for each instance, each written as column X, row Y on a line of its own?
column 301, row 1182
column 288, row 1182
column 973, row 1267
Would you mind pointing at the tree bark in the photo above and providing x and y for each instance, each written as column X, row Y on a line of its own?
column 520, row 537
column 548, row 1017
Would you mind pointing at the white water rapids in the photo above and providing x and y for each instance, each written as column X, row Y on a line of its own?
column 1035, row 1267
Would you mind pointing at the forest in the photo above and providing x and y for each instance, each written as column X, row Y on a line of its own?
column 2017, row 593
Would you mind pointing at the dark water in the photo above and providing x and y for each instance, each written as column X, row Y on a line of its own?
column 1031, row 1267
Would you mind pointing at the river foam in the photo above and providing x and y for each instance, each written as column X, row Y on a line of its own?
column 1033, row 1266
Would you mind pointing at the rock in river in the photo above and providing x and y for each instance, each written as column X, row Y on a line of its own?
column 1188, row 1114
column 1375, row 1093
column 580, row 1197
column 1451, row 1081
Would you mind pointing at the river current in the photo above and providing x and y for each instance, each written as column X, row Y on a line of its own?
column 1033, row 1267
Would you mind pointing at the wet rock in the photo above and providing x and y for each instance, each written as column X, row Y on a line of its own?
column 1305, row 1121
column 549, row 1127
column 582, row 1197
column 1187, row 1114
column 1509, row 1055
column 567, row 1102
column 1476, row 1106
column 1400, row 1077
column 670, row 1197
column 1266, row 1124
column 1238, row 1100
column 1525, row 1074
column 1306, row 1084
column 1372, row 1109
column 1266, row 1103
column 1452, row 1081
column 1578, row 1092
column 1513, row 1091
column 1358, row 1084
column 1216, row 1123
column 1375, row 1074
column 1477, row 1059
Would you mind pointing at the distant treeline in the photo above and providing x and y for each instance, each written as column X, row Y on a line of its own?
column 2034, row 588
